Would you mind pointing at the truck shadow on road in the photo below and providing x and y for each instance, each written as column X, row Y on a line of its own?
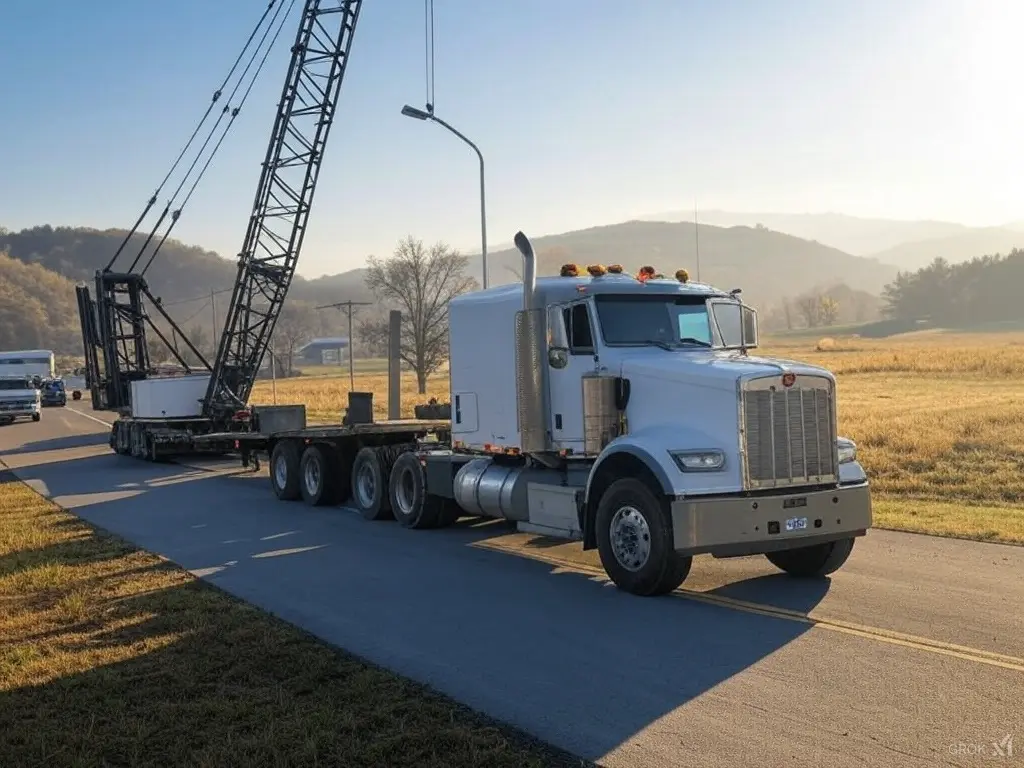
column 577, row 663
column 60, row 444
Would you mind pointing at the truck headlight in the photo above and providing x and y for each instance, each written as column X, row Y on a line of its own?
column 847, row 450
column 698, row 461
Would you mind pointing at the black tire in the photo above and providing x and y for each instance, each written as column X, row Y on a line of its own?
column 318, row 480
column 411, row 505
column 36, row 416
column 370, row 484
column 284, row 471
column 449, row 513
column 637, row 513
column 816, row 561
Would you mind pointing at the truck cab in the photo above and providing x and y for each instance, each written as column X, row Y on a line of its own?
column 631, row 413
column 19, row 398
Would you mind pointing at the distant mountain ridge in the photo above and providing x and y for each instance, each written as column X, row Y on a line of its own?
column 904, row 244
column 766, row 264
column 955, row 249
column 853, row 234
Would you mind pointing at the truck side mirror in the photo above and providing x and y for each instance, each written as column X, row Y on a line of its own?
column 748, row 317
column 558, row 339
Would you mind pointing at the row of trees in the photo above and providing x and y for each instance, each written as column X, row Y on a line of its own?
column 837, row 305
column 982, row 290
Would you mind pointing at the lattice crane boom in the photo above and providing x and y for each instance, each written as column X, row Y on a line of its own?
column 277, row 225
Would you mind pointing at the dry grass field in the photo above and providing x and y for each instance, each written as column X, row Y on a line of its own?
column 938, row 417
column 112, row 656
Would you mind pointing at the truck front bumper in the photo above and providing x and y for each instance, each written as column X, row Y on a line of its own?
column 11, row 412
column 751, row 525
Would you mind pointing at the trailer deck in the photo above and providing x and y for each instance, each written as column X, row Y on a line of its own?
column 317, row 432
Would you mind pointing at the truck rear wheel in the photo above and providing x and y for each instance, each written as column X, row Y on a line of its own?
column 319, row 482
column 370, row 484
column 412, row 506
column 815, row 561
column 634, row 540
column 284, row 471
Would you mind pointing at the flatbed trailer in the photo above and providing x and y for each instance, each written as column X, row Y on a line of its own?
column 333, row 464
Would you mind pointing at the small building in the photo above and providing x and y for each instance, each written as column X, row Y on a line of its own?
column 326, row 351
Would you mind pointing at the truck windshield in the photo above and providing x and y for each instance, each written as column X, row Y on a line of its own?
column 14, row 384
column 660, row 320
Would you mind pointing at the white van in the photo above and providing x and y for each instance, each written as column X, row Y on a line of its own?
column 19, row 397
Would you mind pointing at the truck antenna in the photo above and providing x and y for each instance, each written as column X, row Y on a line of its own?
column 696, row 237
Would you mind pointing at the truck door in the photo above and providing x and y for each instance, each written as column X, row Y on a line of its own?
column 565, row 383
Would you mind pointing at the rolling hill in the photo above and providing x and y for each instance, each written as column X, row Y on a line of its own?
column 954, row 249
column 37, row 308
column 852, row 234
column 768, row 265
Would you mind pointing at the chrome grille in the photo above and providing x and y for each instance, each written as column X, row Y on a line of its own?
column 789, row 435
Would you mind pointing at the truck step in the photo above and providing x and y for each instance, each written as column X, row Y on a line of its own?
column 569, row 534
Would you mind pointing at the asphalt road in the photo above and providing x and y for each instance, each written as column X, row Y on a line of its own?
column 913, row 654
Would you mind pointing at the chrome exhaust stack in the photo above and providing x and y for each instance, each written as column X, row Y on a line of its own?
column 531, row 357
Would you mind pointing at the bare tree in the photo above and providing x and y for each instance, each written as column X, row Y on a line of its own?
column 420, row 283
column 296, row 324
column 200, row 338
column 158, row 351
column 809, row 308
column 829, row 310
column 787, row 313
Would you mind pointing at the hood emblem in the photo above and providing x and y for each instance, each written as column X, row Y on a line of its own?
column 788, row 379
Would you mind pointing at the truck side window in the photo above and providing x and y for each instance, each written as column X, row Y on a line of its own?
column 577, row 323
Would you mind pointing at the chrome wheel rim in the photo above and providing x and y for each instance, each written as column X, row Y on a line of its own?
column 312, row 476
column 405, row 493
column 630, row 538
column 281, row 472
column 366, row 487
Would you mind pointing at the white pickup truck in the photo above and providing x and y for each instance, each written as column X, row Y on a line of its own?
column 19, row 397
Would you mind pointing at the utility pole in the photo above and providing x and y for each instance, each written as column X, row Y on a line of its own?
column 348, row 305
column 213, row 308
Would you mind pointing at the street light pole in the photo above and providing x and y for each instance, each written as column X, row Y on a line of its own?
column 420, row 114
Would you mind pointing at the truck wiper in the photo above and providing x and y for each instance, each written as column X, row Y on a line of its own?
column 663, row 344
column 691, row 340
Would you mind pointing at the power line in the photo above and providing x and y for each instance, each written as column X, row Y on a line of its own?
column 207, row 296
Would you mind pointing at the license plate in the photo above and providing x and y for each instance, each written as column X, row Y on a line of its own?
column 796, row 523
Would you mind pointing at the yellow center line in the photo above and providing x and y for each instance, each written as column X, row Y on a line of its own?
column 835, row 625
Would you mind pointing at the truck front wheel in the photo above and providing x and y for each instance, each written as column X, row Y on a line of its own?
column 634, row 539
column 814, row 561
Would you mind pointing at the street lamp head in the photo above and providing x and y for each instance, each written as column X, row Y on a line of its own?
column 419, row 114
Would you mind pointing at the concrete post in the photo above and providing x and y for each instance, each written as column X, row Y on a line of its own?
column 395, row 366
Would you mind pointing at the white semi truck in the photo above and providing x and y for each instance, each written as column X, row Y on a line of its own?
column 624, row 413
column 37, row 364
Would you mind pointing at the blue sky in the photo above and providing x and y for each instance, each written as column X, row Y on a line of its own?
column 587, row 112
